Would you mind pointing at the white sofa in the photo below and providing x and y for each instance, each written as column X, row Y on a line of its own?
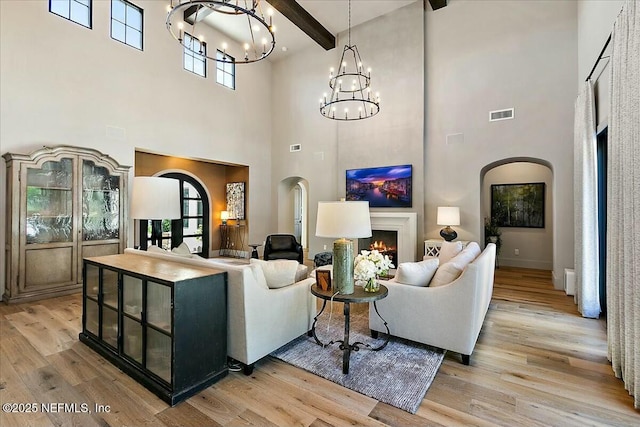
column 260, row 319
column 448, row 316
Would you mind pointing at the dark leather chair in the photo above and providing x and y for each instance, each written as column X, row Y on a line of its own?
column 282, row 246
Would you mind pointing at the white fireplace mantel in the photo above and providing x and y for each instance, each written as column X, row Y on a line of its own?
column 406, row 224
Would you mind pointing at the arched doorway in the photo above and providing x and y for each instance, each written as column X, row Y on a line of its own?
column 193, row 228
column 293, row 209
column 521, row 246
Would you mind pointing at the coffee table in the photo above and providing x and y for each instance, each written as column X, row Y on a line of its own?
column 358, row 296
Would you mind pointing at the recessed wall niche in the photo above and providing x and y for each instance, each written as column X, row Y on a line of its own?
column 212, row 174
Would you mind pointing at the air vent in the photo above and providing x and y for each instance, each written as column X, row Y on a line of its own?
column 295, row 147
column 507, row 114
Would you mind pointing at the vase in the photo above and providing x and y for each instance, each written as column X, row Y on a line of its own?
column 372, row 285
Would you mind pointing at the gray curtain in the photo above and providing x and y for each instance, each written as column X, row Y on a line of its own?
column 585, row 199
column 623, row 204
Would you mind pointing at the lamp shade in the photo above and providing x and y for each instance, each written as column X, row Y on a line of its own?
column 155, row 197
column 448, row 215
column 224, row 216
column 343, row 219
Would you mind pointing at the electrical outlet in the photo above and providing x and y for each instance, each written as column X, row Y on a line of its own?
column 516, row 251
column 324, row 247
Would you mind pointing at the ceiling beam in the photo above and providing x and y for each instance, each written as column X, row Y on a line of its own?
column 437, row 4
column 307, row 23
column 195, row 14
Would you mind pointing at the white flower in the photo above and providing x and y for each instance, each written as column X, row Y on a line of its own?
column 370, row 264
column 364, row 270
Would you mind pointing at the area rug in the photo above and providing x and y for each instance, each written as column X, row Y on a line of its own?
column 400, row 374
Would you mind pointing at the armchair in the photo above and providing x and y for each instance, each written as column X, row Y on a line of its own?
column 282, row 246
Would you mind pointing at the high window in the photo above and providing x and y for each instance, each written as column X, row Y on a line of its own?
column 126, row 23
column 195, row 55
column 225, row 72
column 78, row 11
column 193, row 226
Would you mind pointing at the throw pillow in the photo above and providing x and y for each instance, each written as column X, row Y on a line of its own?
column 417, row 273
column 447, row 273
column 256, row 270
column 182, row 250
column 473, row 248
column 278, row 273
column 156, row 249
column 448, row 250
column 451, row 270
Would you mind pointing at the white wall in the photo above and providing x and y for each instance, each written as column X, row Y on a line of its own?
column 392, row 45
column 488, row 55
column 62, row 83
column 535, row 245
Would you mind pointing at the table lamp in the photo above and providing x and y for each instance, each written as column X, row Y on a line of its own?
column 154, row 198
column 343, row 220
column 224, row 217
column 448, row 215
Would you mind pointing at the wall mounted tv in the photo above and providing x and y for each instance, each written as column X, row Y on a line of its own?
column 382, row 187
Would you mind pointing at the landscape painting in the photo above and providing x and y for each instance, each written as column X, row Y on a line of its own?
column 382, row 187
column 518, row 205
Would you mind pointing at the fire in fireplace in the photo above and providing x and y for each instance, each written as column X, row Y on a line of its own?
column 385, row 242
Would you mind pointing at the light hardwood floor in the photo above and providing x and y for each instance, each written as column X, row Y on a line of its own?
column 537, row 362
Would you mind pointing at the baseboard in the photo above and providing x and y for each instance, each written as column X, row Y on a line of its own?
column 525, row 263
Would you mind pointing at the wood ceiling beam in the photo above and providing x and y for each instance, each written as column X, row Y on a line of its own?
column 436, row 4
column 307, row 23
column 196, row 14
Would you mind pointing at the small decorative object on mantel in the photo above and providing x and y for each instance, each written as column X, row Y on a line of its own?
column 369, row 266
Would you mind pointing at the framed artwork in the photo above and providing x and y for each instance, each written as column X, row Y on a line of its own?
column 382, row 187
column 235, row 200
column 518, row 205
column 323, row 279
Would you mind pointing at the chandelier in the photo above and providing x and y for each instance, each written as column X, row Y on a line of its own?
column 243, row 20
column 351, row 97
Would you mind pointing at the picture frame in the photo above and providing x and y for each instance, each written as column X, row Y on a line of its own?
column 323, row 280
column 382, row 187
column 235, row 200
column 518, row 205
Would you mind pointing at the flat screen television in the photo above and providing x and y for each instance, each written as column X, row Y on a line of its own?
column 382, row 187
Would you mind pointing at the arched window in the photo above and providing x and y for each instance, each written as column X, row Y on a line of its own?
column 192, row 228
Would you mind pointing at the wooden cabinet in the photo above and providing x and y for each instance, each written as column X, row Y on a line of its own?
column 63, row 203
column 163, row 323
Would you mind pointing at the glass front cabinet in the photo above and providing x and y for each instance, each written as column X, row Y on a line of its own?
column 163, row 323
column 63, row 203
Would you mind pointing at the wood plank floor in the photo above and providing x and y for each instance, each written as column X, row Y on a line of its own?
column 537, row 363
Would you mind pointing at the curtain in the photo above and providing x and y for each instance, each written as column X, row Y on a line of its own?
column 623, row 204
column 585, row 197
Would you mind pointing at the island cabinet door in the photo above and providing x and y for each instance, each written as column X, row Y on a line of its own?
column 101, row 304
column 158, row 330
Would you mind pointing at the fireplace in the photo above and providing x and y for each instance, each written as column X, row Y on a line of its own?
column 405, row 226
column 384, row 241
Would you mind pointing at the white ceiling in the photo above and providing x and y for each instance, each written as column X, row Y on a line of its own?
column 332, row 14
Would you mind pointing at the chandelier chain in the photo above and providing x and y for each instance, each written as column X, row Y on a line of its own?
column 349, row 23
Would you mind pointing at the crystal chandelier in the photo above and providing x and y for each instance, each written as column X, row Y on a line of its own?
column 245, row 20
column 351, row 97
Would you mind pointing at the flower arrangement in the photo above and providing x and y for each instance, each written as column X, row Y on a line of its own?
column 368, row 266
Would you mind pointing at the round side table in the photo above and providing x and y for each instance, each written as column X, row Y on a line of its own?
column 358, row 296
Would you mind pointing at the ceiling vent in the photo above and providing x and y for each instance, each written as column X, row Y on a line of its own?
column 506, row 114
column 295, row 147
